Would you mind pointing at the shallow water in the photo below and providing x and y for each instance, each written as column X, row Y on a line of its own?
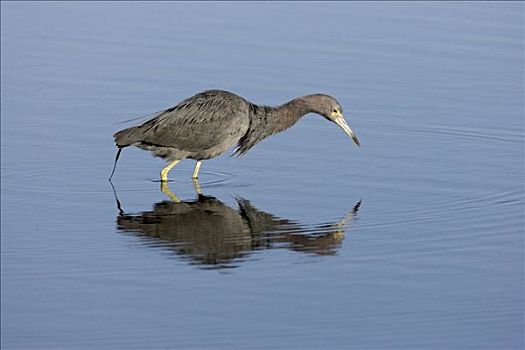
column 414, row 240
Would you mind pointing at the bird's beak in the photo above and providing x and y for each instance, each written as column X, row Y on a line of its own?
column 339, row 120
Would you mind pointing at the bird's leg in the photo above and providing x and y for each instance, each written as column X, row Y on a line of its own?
column 166, row 190
column 166, row 170
column 196, row 170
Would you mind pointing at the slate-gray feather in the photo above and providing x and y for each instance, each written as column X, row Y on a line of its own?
column 206, row 125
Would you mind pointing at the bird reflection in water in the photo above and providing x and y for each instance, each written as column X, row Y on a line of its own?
column 210, row 233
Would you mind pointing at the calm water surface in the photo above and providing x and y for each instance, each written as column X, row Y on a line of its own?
column 413, row 241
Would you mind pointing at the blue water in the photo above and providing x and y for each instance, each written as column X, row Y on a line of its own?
column 413, row 241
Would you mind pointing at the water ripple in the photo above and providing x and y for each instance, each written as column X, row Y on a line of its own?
column 472, row 134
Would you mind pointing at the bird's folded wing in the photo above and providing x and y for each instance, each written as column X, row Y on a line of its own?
column 198, row 125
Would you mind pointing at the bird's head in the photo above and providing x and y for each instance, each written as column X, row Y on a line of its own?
column 328, row 107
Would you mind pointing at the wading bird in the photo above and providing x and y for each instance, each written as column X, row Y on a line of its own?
column 205, row 125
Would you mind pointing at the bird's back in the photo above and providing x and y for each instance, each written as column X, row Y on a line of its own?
column 200, row 127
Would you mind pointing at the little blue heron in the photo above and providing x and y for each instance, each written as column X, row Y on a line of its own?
column 207, row 124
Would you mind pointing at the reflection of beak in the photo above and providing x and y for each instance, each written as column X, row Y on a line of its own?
column 342, row 123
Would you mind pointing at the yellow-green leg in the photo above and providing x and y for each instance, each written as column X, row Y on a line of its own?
column 166, row 170
column 196, row 170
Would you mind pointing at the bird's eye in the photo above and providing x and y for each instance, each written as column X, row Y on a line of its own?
column 335, row 110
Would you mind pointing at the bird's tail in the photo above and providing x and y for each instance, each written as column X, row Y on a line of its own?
column 115, row 164
column 128, row 136
column 125, row 138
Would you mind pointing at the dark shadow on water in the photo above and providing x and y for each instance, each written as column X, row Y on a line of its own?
column 212, row 234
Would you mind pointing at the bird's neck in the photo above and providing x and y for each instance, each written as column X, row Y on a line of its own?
column 266, row 121
column 288, row 114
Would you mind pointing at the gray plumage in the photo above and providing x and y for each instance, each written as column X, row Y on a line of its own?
column 207, row 124
column 200, row 127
